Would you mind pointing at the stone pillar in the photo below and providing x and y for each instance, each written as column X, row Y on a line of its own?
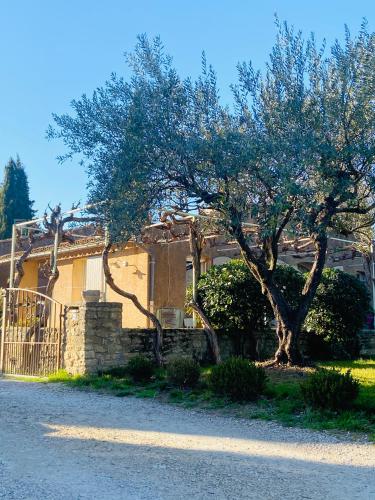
column 92, row 338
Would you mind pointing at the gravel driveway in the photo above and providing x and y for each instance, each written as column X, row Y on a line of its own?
column 60, row 443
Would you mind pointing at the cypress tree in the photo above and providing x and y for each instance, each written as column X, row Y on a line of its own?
column 15, row 203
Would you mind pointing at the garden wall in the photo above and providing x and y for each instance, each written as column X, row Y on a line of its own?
column 95, row 340
column 367, row 343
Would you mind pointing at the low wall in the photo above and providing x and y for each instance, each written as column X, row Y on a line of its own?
column 95, row 340
column 367, row 343
column 185, row 342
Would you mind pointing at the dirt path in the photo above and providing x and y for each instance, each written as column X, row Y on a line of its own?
column 57, row 443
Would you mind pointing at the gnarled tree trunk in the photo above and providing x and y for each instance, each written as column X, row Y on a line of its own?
column 210, row 332
column 196, row 241
column 158, row 336
column 20, row 262
column 289, row 320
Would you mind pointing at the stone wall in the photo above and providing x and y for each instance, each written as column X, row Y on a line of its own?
column 95, row 340
column 92, row 339
column 183, row 342
column 367, row 343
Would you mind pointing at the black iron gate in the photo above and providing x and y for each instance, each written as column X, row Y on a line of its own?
column 32, row 330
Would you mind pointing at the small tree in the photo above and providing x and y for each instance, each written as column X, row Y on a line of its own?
column 15, row 200
column 339, row 310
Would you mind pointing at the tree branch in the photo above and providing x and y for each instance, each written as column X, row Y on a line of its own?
column 158, row 337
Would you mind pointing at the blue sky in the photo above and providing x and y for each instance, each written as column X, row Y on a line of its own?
column 52, row 51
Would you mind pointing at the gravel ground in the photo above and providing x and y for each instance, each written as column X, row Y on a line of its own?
column 60, row 443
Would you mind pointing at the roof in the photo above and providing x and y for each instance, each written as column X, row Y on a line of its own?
column 43, row 247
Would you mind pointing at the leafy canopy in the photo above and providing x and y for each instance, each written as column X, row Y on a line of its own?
column 301, row 136
column 294, row 155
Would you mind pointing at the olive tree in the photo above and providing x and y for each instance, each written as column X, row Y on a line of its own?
column 291, row 158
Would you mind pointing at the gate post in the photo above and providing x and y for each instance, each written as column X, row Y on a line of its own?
column 3, row 329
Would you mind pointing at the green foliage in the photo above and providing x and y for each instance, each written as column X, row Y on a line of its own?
column 338, row 311
column 330, row 390
column 183, row 372
column 117, row 372
column 140, row 368
column 15, row 200
column 283, row 155
column 238, row 379
column 232, row 298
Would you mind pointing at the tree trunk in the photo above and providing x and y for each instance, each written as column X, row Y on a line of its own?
column 196, row 241
column 289, row 321
column 52, row 279
column 288, row 351
column 19, row 266
column 210, row 332
column 158, row 336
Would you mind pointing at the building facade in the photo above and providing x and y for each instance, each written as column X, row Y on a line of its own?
column 157, row 273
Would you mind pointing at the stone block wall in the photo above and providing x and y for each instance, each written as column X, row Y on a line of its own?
column 183, row 342
column 367, row 343
column 176, row 342
column 95, row 340
column 92, row 338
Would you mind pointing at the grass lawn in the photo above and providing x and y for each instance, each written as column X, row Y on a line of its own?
column 282, row 402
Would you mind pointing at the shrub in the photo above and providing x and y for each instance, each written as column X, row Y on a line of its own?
column 116, row 372
column 140, row 368
column 183, row 372
column 330, row 390
column 338, row 312
column 232, row 298
column 238, row 379
column 233, row 301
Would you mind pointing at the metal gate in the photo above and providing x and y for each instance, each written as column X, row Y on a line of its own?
column 32, row 328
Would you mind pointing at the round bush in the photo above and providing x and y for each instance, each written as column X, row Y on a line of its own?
column 140, row 368
column 183, row 372
column 238, row 379
column 338, row 312
column 232, row 298
column 330, row 390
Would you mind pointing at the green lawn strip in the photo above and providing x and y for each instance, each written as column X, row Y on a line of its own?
column 282, row 401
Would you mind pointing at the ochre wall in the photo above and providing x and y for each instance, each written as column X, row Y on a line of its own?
column 78, row 280
column 62, row 291
column 30, row 278
column 130, row 271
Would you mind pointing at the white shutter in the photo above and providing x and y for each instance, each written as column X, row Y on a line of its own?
column 94, row 274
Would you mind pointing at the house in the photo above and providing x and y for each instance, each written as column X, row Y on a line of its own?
column 157, row 273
